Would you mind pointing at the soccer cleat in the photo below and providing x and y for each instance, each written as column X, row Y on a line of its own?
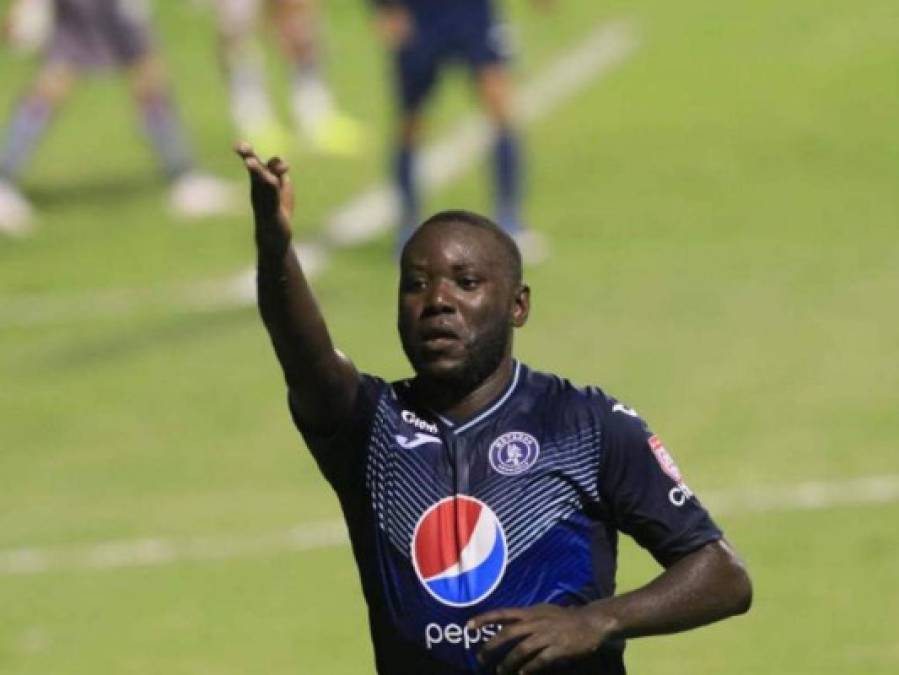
column 533, row 246
column 29, row 25
column 16, row 214
column 199, row 195
column 337, row 134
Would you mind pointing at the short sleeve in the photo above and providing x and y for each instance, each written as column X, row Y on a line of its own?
column 643, row 490
column 341, row 456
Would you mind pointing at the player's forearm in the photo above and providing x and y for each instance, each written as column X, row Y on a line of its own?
column 321, row 381
column 290, row 312
column 703, row 587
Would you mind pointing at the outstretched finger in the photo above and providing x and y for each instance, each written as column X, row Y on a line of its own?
column 279, row 168
column 257, row 169
column 244, row 149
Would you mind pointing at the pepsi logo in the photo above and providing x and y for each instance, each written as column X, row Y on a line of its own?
column 459, row 551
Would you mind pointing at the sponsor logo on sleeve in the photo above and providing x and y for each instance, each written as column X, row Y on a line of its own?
column 680, row 493
column 513, row 453
column 664, row 458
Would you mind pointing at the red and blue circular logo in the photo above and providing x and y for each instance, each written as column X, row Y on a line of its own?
column 459, row 551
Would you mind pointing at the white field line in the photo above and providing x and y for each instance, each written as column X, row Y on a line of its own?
column 332, row 533
column 369, row 214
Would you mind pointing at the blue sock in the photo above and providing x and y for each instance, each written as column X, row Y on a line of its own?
column 166, row 135
column 28, row 124
column 507, row 179
column 403, row 172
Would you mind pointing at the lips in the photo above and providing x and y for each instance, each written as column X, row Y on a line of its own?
column 438, row 332
column 438, row 337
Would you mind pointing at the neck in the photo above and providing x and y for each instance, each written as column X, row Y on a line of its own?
column 462, row 405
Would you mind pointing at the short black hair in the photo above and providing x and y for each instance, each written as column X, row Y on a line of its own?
column 510, row 248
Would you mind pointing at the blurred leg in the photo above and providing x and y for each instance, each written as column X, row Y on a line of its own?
column 416, row 66
column 496, row 94
column 32, row 116
column 405, row 175
column 192, row 194
column 244, row 66
column 298, row 26
column 28, row 124
column 151, row 92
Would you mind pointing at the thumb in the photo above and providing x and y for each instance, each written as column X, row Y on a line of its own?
column 287, row 195
column 279, row 168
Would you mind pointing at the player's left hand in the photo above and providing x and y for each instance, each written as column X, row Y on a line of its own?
column 271, row 194
column 542, row 635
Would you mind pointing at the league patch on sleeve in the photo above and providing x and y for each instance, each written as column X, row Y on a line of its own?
column 680, row 493
column 664, row 458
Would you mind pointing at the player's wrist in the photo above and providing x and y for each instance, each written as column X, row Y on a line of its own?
column 603, row 621
column 272, row 243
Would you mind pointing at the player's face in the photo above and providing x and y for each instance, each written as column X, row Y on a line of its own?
column 457, row 304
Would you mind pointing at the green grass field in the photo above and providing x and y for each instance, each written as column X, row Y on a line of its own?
column 723, row 212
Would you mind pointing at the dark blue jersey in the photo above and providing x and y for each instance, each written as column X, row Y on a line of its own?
column 518, row 506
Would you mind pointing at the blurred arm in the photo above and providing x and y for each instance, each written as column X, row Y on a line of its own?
column 322, row 381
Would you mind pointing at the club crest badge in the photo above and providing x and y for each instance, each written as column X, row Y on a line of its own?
column 513, row 453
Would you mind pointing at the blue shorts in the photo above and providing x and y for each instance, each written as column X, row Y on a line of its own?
column 91, row 34
column 468, row 33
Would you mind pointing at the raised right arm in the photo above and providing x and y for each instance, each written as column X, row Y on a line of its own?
column 322, row 381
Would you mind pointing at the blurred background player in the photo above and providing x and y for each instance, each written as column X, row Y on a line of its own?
column 424, row 36
column 87, row 36
column 297, row 26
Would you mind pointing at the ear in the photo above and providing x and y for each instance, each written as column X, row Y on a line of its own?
column 521, row 306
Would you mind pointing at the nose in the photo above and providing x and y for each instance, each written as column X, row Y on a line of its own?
column 439, row 299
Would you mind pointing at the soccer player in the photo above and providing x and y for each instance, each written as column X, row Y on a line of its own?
column 91, row 35
column 297, row 25
column 424, row 36
column 483, row 498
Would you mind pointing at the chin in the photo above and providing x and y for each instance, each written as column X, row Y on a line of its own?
column 440, row 368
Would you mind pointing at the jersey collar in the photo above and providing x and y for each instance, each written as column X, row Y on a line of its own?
column 457, row 428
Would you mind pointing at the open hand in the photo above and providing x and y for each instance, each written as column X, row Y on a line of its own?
column 540, row 636
column 271, row 194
